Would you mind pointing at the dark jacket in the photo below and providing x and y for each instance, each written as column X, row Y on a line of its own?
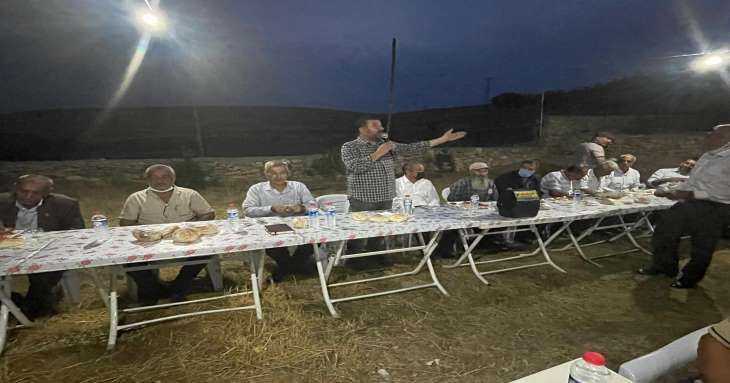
column 512, row 180
column 57, row 212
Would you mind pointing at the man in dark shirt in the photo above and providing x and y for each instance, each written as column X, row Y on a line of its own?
column 32, row 206
column 522, row 178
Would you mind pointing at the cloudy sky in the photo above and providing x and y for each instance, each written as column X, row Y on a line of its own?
column 336, row 54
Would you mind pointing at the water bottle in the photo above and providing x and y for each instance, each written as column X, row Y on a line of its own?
column 407, row 205
column 474, row 202
column 397, row 206
column 590, row 369
column 101, row 226
column 313, row 214
column 330, row 215
column 577, row 197
column 232, row 216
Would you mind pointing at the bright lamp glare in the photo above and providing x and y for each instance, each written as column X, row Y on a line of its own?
column 708, row 63
column 151, row 22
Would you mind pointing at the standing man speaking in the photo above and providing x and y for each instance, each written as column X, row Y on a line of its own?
column 370, row 164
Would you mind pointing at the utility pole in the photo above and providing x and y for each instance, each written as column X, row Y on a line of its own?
column 542, row 115
column 489, row 89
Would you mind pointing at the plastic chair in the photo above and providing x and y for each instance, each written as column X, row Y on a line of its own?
column 445, row 193
column 340, row 201
column 647, row 368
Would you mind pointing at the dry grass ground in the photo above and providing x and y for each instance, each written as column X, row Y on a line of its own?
column 523, row 322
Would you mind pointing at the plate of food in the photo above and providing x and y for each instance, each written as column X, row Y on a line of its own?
column 11, row 240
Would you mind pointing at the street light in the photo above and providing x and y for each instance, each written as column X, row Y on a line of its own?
column 151, row 21
column 708, row 63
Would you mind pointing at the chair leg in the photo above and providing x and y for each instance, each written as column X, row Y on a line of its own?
column 214, row 273
column 71, row 284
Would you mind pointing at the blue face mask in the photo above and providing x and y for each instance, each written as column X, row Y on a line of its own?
column 524, row 173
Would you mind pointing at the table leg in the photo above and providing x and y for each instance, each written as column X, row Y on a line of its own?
column 113, row 310
column 255, row 259
column 7, row 308
column 318, row 256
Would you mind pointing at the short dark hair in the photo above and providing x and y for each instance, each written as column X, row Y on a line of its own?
column 574, row 169
column 363, row 121
column 605, row 134
column 532, row 162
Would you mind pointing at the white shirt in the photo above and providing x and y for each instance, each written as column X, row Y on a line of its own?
column 664, row 174
column 422, row 192
column 261, row 196
column 556, row 181
column 620, row 181
column 592, row 183
column 27, row 219
column 710, row 178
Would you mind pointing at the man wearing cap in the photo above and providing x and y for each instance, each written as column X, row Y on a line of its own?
column 702, row 211
column 33, row 206
column 370, row 166
column 590, row 154
column 477, row 182
column 713, row 353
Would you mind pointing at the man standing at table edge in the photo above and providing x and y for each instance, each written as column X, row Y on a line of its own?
column 164, row 202
column 33, row 206
column 370, row 166
column 702, row 211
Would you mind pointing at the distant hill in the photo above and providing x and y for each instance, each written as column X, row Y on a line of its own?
column 237, row 131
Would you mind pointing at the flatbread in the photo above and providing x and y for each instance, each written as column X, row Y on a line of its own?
column 379, row 218
column 167, row 232
column 360, row 216
column 398, row 217
column 10, row 243
column 207, row 229
column 299, row 222
column 147, row 235
column 185, row 236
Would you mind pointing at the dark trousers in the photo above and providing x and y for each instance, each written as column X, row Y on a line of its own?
column 40, row 300
column 704, row 221
column 369, row 244
column 149, row 288
column 297, row 262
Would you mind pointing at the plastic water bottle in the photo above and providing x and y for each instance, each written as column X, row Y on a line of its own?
column 474, row 202
column 330, row 215
column 577, row 197
column 590, row 369
column 232, row 216
column 313, row 214
column 101, row 226
column 397, row 206
column 407, row 205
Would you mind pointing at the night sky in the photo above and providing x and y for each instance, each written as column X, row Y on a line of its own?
column 336, row 54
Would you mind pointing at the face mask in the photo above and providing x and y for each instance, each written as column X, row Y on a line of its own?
column 524, row 173
column 161, row 191
column 420, row 176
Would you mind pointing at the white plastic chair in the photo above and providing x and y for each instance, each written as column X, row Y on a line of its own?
column 649, row 367
column 340, row 201
column 445, row 193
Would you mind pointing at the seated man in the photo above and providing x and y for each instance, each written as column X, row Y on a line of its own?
column 522, row 178
column 561, row 183
column 596, row 179
column 670, row 178
column 164, row 202
column 34, row 206
column 413, row 183
column 625, row 177
column 280, row 197
column 713, row 354
column 477, row 182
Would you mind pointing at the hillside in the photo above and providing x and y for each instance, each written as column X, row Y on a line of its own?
column 237, row 131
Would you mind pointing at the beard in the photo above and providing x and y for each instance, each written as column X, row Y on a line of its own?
column 480, row 183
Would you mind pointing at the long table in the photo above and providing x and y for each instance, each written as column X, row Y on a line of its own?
column 65, row 251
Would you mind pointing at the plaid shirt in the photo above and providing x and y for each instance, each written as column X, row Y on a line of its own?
column 374, row 181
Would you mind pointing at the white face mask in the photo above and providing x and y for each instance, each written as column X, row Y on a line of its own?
column 161, row 191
